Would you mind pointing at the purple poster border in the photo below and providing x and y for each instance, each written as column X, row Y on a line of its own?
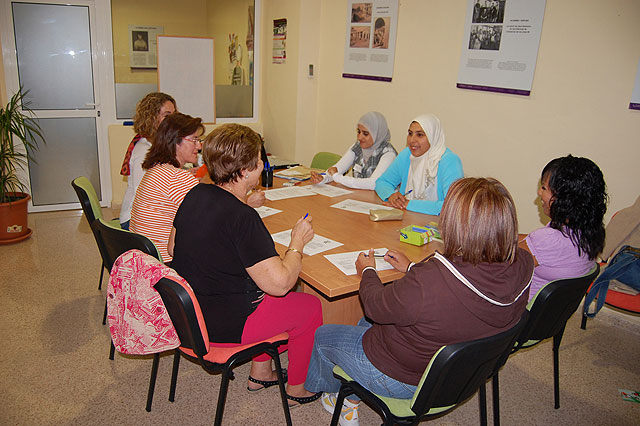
column 366, row 77
column 634, row 105
column 494, row 89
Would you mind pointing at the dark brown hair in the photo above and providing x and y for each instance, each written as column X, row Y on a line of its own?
column 145, row 119
column 170, row 133
column 478, row 222
column 230, row 149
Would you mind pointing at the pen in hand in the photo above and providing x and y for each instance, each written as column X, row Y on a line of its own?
column 408, row 192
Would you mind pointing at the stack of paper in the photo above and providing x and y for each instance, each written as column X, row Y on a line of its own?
column 298, row 173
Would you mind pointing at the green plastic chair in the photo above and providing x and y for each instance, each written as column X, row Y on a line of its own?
column 92, row 211
column 324, row 160
column 453, row 375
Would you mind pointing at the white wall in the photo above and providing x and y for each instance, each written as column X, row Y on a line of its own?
column 584, row 76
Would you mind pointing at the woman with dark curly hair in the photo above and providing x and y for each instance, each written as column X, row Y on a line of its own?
column 574, row 196
column 150, row 112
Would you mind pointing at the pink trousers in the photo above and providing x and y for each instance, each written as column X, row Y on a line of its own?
column 298, row 314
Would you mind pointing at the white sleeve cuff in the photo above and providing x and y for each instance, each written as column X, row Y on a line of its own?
column 370, row 267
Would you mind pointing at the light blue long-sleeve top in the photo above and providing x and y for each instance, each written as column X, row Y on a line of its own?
column 449, row 170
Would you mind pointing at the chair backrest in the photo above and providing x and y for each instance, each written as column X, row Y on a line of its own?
column 138, row 320
column 324, row 160
column 116, row 241
column 186, row 316
column 88, row 198
column 553, row 305
column 457, row 371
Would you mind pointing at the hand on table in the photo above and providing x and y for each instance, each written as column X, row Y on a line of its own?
column 301, row 233
column 365, row 260
column 256, row 198
column 332, row 170
column 316, row 177
column 398, row 260
column 397, row 200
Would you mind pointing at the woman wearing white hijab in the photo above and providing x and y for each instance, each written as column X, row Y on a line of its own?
column 369, row 156
column 424, row 170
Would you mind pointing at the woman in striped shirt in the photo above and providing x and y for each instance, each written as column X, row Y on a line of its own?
column 165, row 182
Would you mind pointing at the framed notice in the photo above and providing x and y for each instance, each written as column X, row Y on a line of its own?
column 500, row 45
column 186, row 72
column 371, row 39
column 143, row 46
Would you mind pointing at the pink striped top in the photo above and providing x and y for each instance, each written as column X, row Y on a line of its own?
column 157, row 199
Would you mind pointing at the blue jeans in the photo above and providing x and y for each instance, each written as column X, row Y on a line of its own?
column 125, row 225
column 624, row 267
column 341, row 345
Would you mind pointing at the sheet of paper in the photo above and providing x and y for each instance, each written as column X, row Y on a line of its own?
column 290, row 192
column 329, row 190
column 358, row 206
column 346, row 262
column 317, row 245
column 265, row 211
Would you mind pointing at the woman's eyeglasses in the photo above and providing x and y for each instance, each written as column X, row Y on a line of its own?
column 194, row 140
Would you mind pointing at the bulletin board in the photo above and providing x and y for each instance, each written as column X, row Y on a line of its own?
column 186, row 71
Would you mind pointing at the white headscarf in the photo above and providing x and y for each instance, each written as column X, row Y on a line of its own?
column 376, row 124
column 423, row 170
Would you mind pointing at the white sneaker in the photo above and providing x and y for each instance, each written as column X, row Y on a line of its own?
column 349, row 414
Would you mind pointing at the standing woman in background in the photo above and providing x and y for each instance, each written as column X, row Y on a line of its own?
column 369, row 156
column 150, row 112
column 574, row 196
column 424, row 170
column 165, row 182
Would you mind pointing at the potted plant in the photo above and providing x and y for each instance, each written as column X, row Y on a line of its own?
column 19, row 138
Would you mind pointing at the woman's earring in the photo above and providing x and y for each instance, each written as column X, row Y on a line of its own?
column 246, row 176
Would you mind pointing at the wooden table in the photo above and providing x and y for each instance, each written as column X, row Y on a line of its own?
column 337, row 291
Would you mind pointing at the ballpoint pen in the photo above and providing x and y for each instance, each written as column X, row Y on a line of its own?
column 408, row 192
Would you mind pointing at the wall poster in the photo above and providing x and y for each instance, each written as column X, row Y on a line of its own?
column 500, row 45
column 143, row 44
column 371, row 39
column 279, row 41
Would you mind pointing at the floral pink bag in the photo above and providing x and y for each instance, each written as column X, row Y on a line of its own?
column 138, row 321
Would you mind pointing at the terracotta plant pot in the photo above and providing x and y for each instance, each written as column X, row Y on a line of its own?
column 13, row 219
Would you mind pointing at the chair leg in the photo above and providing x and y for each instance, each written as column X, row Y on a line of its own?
column 482, row 401
column 101, row 275
column 556, row 368
column 174, row 375
column 583, row 324
column 496, row 401
column 104, row 315
column 112, row 351
column 222, row 396
column 344, row 391
column 283, row 393
column 152, row 380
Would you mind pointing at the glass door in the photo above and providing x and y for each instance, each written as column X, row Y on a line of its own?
column 55, row 62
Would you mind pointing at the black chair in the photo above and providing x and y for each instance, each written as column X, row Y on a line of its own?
column 454, row 375
column 188, row 321
column 116, row 241
column 92, row 211
column 549, row 311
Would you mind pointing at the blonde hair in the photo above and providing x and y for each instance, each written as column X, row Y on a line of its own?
column 478, row 222
column 228, row 150
column 145, row 120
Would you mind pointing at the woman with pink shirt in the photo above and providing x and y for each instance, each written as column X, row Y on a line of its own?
column 574, row 196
